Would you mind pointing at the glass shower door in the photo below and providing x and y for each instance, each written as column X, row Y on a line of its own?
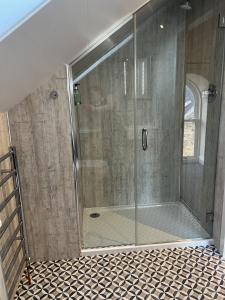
column 204, row 70
column 178, row 51
column 160, row 42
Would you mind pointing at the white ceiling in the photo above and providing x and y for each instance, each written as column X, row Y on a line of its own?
column 55, row 35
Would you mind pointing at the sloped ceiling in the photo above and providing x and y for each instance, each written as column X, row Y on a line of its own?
column 54, row 35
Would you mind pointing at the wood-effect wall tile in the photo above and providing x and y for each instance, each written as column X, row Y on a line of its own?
column 41, row 132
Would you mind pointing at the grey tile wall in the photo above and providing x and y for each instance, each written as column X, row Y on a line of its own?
column 41, row 130
column 106, row 130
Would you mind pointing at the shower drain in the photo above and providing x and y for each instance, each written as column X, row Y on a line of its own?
column 94, row 215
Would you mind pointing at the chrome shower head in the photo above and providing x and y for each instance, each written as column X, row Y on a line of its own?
column 186, row 5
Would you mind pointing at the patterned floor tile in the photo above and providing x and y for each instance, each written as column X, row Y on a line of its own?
column 178, row 274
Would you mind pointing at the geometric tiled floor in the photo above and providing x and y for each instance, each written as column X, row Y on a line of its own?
column 179, row 274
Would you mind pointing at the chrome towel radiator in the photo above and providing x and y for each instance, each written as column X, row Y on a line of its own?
column 13, row 240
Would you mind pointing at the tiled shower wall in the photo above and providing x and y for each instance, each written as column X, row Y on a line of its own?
column 106, row 130
column 41, row 131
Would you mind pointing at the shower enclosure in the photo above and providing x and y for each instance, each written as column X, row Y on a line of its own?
column 146, row 132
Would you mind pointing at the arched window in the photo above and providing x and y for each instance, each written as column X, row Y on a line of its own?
column 191, row 122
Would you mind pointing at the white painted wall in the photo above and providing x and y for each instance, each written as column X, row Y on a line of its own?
column 56, row 34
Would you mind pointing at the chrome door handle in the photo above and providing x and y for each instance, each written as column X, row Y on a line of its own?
column 144, row 139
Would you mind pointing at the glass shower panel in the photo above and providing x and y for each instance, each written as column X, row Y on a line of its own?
column 160, row 45
column 106, row 159
column 202, row 110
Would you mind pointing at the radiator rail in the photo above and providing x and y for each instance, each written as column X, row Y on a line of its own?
column 16, row 241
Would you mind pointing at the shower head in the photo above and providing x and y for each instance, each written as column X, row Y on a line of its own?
column 186, row 5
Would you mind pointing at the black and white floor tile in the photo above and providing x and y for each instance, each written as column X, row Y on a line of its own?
column 179, row 274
